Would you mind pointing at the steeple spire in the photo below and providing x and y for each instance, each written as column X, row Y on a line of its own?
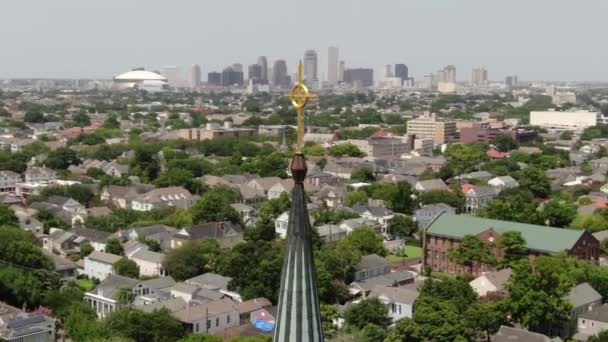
column 299, row 317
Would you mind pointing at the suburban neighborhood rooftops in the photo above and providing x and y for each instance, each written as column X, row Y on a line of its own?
column 371, row 261
column 104, row 257
column 538, row 238
column 582, row 295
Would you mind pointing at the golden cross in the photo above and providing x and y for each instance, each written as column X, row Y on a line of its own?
column 299, row 98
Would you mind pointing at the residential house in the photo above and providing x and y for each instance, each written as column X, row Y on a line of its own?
column 601, row 163
column 37, row 174
column 337, row 170
column 446, row 232
column 63, row 266
column 479, row 175
column 97, row 238
column 174, row 196
column 323, row 139
column 263, row 183
column 106, row 297
column 399, row 301
column 283, row 186
column 383, row 216
column 477, row 197
column 191, row 293
column 153, row 290
column 371, row 266
column 8, row 181
column 115, row 170
column 209, row 317
column 592, row 322
column 226, row 233
column 19, row 326
column 320, row 178
column 212, row 281
column 510, row 334
column 66, row 209
column 331, row 233
column 246, row 212
column 150, row 263
column 431, row 185
column 159, row 232
column 249, row 194
column 121, row 196
column 503, row 182
column 330, row 196
column 248, row 307
column 352, row 224
column 60, row 242
column 491, row 282
column 425, row 215
column 583, row 298
column 99, row 264
column 281, row 222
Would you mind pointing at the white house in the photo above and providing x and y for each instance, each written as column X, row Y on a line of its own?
column 592, row 322
column 503, row 182
column 400, row 301
column 99, row 264
column 490, row 282
column 383, row 216
column 280, row 224
column 104, row 299
column 175, row 196
column 150, row 263
column 280, row 187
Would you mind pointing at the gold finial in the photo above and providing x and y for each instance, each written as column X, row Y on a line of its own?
column 299, row 98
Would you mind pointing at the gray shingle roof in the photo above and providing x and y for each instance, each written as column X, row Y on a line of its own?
column 582, row 295
column 371, row 261
column 598, row 313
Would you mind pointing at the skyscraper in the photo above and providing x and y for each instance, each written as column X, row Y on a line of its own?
column 479, row 76
column 332, row 65
column 195, row 76
column 360, row 77
column 263, row 62
column 279, row 74
column 341, row 71
column 238, row 67
column 231, row 77
column 172, row 74
column 450, row 73
column 388, row 71
column 311, row 62
column 401, row 72
column 214, row 78
column 255, row 73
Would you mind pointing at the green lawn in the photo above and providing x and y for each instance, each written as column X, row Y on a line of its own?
column 410, row 251
column 85, row 284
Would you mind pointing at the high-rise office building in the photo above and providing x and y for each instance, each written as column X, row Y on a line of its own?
column 361, row 77
column 238, row 67
column 341, row 71
column 195, row 76
column 388, row 72
column 263, row 63
column 214, row 78
column 255, row 73
column 311, row 62
column 231, row 76
column 279, row 74
column 401, row 72
column 450, row 73
column 173, row 76
column 479, row 76
column 332, row 65
column 511, row 81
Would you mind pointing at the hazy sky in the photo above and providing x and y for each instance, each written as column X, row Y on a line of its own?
column 534, row 39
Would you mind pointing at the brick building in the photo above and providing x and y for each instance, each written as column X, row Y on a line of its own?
column 486, row 133
column 446, row 232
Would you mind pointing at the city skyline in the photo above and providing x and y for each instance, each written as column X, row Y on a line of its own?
column 463, row 34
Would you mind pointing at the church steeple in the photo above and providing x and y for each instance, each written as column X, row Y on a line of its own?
column 299, row 316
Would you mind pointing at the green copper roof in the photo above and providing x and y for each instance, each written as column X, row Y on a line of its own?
column 539, row 238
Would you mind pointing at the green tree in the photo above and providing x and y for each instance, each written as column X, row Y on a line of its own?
column 536, row 293
column 86, row 249
column 140, row 326
column 264, row 230
column 403, row 226
column 464, row 158
column 213, row 207
column 346, row 150
column 111, row 122
column 8, row 217
column 192, row 259
column 126, row 268
column 363, row 174
column 81, row 119
column 367, row 311
column 514, row 247
column 365, row 241
column 472, row 252
column 592, row 223
column 34, row 116
column 517, row 206
column 61, row 158
column 113, row 246
column 485, row 318
column 201, row 338
column 505, row 143
column 534, row 180
column 329, row 314
column 558, row 213
column 372, row 333
column 255, row 268
column 355, row 197
column 452, row 198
